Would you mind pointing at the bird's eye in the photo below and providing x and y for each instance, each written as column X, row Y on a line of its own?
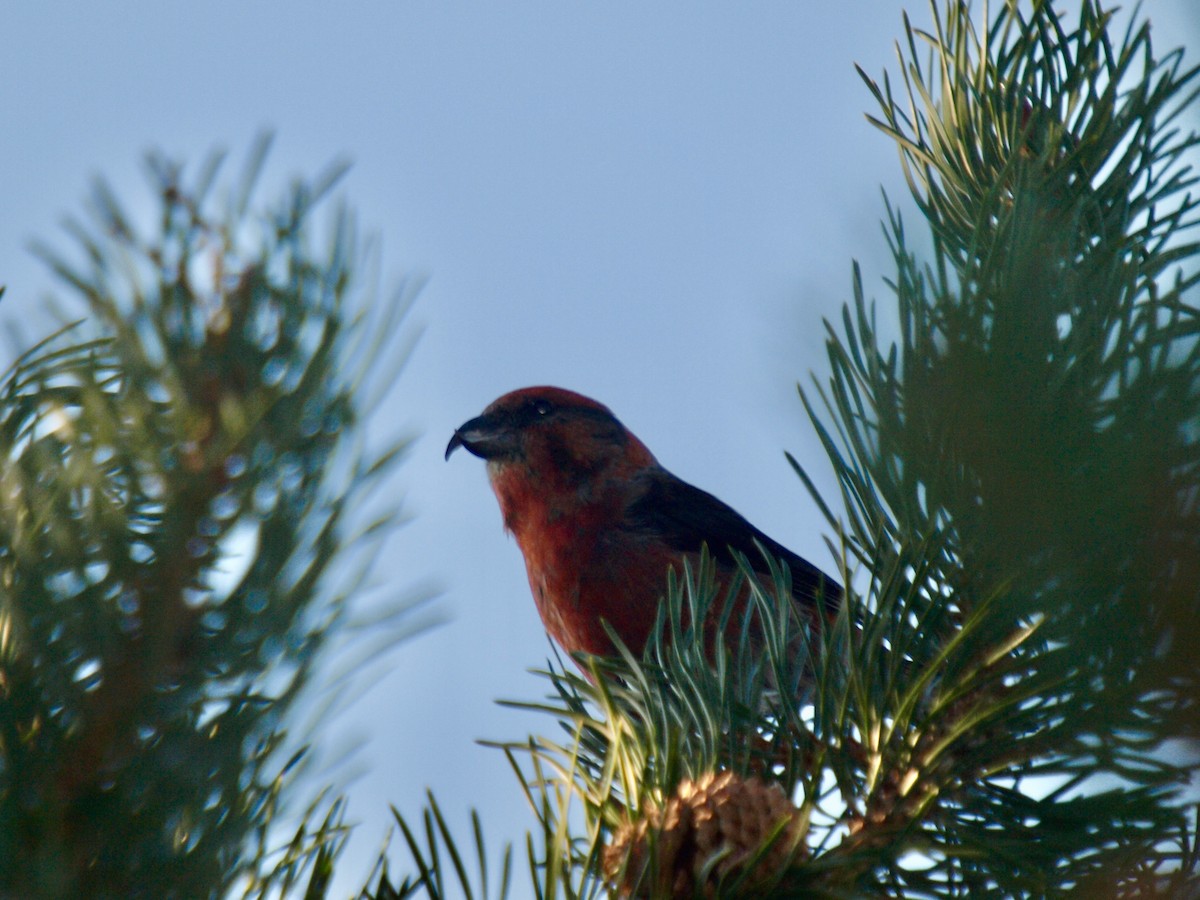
column 541, row 407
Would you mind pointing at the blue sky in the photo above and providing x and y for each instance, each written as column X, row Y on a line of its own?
column 653, row 204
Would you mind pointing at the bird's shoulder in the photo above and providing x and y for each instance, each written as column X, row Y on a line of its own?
column 687, row 517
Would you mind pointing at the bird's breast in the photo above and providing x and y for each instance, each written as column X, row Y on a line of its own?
column 585, row 565
column 584, row 571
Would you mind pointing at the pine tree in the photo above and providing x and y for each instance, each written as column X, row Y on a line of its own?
column 182, row 473
column 1006, row 704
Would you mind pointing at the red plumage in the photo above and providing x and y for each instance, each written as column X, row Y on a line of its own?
column 599, row 520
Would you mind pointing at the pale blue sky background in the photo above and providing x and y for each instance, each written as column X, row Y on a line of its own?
column 654, row 204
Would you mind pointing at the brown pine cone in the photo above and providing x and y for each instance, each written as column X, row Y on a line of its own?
column 664, row 853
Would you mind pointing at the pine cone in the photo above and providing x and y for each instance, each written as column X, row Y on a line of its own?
column 665, row 852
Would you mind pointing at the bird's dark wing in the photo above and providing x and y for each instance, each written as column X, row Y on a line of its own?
column 685, row 517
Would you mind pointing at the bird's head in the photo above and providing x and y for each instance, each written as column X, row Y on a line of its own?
column 550, row 437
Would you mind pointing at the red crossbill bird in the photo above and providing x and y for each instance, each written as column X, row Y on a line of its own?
column 600, row 521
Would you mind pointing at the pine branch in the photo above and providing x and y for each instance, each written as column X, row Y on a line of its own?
column 178, row 494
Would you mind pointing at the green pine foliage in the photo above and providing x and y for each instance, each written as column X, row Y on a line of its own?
column 1006, row 704
column 182, row 470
